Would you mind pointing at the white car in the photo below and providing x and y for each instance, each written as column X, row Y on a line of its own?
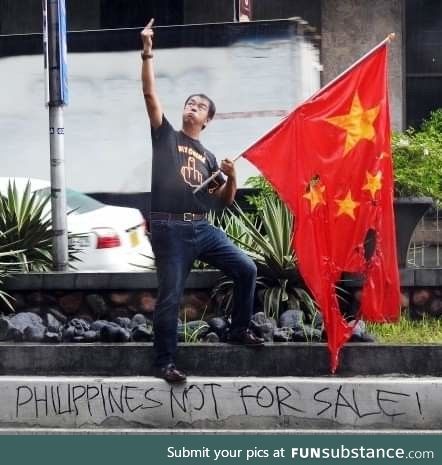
column 113, row 238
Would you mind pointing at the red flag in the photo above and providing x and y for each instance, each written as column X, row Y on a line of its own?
column 330, row 161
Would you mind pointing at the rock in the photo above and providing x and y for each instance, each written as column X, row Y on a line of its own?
column 259, row 318
column 91, row 336
column 284, row 334
column 123, row 335
column 137, row 320
column 211, row 337
column 142, row 333
column 15, row 335
column 52, row 337
column 359, row 332
column 24, row 319
column 218, row 325
column 68, row 334
column 109, row 332
column 52, row 323
column 80, row 325
column 292, row 319
column 97, row 304
column 71, row 303
column 34, row 333
column 124, row 322
column 266, row 331
column 119, row 298
column 98, row 324
column 114, row 333
column 307, row 334
column 262, row 326
column 29, row 325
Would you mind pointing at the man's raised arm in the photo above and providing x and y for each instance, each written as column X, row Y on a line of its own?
column 151, row 99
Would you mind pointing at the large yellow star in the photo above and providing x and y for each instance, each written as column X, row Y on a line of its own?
column 374, row 183
column 315, row 195
column 358, row 123
column 347, row 206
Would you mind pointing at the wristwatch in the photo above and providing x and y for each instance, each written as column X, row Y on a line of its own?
column 146, row 55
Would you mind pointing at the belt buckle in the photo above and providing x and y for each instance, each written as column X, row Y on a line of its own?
column 188, row 216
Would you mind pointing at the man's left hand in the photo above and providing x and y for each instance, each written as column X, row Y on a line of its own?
column 228, row 168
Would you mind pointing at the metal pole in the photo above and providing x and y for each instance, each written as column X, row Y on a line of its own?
column 58, row 189
column 55, row 59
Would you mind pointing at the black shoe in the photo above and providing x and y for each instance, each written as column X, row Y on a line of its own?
column 170, row 373
column 247, row 338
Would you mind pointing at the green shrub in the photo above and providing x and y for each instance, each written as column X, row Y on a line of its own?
column 417, row 157
column 267, row 238
column 26, row 223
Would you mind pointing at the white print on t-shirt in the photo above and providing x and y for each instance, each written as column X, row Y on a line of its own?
column 191, row 152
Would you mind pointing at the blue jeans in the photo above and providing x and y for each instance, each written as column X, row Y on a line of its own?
column 176, row 244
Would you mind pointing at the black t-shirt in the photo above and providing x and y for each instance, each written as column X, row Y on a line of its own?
column 179, row 165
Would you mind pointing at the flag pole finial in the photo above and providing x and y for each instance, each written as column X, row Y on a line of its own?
column 391, row 36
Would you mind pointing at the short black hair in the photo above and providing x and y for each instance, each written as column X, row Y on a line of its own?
column 212, row 109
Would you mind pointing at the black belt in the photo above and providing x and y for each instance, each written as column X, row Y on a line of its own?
column 188, row 216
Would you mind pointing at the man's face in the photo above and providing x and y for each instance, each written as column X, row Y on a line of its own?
column 196, row 111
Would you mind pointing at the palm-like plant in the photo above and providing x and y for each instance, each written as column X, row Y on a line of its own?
column 267, row 238
column 6, row 268
column 27, row 228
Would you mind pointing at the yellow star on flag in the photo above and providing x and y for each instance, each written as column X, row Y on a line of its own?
column 347, row 206
column 374, row 183
column 315, row 196
column 358, row 123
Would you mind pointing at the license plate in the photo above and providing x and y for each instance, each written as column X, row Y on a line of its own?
column 134, row 238
column 79, row 242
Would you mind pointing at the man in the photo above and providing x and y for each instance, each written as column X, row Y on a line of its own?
column 180, row 231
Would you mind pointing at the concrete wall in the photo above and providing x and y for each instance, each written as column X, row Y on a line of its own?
column 219, row 403
column 350, row 28
column 254, row 82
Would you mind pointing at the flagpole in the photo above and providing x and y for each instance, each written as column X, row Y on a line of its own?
column 214, row 175
column 388, row 39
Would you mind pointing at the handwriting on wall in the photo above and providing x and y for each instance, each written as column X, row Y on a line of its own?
column 213, row 400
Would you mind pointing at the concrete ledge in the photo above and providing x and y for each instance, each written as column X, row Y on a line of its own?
column 277, row 359
column 198, row 279
column 221, row 403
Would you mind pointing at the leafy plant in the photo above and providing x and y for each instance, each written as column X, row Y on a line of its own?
column 267, row 238
column 417, row 158
column 194, row 329
column 5, row 271
column 263, row 190
column 27, row 228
